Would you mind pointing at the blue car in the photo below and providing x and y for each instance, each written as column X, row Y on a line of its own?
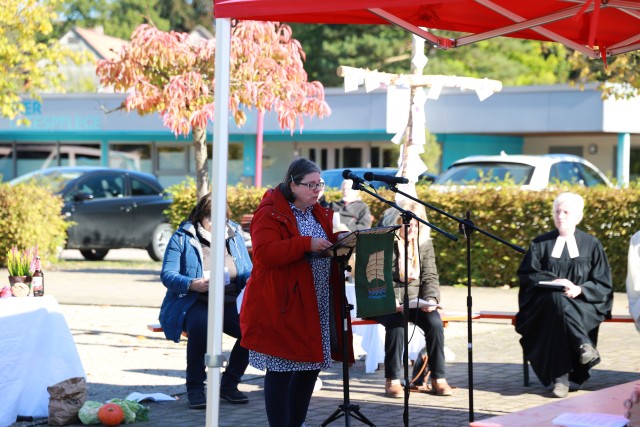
column 333, row 177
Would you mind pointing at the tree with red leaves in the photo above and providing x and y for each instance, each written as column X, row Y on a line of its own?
column 169, row 74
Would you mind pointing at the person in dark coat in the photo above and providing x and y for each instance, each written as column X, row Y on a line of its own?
column 353, row 214
column 559, row 326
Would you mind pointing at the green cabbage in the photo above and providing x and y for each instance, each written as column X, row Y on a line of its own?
column 88, row 414
column 133, row 411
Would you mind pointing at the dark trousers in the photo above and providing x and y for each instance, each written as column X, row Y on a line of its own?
column 196, row 328
column 287, row 396
column 430, row 323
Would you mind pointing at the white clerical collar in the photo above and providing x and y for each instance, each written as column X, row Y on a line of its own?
column 572, row 246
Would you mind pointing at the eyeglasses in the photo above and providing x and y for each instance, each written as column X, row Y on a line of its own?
column 313, row 185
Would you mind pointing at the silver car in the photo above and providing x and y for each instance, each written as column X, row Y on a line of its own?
column 528, row 171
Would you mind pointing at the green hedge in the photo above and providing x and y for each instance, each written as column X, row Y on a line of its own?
column 512, row 214
column 29, row 216
column 519, row 216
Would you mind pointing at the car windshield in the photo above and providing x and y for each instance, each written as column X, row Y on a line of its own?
column 54, row 180
column 473, row 173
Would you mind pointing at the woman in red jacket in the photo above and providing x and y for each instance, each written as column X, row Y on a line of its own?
column 285, row 315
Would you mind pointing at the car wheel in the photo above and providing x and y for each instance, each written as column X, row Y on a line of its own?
column 94, row 254
column 159, row 241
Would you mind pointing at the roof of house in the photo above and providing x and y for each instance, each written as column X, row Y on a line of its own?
column 105, row 47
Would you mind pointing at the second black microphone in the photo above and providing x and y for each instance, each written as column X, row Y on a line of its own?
column 389, row 179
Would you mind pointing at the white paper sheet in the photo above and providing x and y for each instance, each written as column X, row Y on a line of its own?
column 155, row 397
column 589, row 419
column 420, row 303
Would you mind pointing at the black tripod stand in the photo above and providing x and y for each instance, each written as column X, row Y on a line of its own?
column 342, row 250
column 347, row 408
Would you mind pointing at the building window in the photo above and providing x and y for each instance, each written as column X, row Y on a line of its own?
column 389, row 157
column 576, row 150
column 634, row 164
column 375, row 157
column 6, row 162
column 172, row 158
column 352, row 157
column 131, row 156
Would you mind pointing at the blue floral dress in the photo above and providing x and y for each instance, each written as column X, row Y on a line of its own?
column 320, row 267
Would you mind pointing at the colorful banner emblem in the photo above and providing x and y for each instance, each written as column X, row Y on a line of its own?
column 373, row 279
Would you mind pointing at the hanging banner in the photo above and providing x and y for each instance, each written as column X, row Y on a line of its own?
column 373, row 278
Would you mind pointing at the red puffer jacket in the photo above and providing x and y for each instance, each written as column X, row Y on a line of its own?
column 279, row 314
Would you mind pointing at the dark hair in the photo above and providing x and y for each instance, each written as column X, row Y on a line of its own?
column 298, row 169
column 202, row 209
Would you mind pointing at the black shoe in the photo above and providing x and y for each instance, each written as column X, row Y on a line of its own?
column 588, row 354
column 197, row 400
column 233, row 395
column 561, row 386
column 575, row 387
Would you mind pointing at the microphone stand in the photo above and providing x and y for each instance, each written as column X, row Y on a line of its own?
column 347, row 408
column 407, row 216
column 466, row 227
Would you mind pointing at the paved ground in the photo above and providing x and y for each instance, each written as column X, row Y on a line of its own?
column 107, row 311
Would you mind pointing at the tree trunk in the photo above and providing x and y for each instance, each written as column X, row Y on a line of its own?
column 202, row 169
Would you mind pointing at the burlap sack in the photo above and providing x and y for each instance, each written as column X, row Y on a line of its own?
column 65, row 400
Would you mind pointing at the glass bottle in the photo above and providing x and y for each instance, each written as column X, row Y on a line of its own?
column 37, row 280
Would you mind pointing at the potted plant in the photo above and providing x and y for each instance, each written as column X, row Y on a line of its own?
column 19, row 264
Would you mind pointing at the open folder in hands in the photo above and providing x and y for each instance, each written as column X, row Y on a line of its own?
column 348, row 242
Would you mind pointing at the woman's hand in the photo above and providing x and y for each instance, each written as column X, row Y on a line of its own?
column 343, row 234
column 570, row 290
column 319, row 245
column 199, row 285
column 430, row 308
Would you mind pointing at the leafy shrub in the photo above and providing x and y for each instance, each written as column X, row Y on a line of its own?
column 518, row 217
column 507, row 212
column 183, row 197
column 240, row 199
column 29, row 216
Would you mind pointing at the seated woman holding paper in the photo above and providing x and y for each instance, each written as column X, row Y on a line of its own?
column 185, row 273
column 559, row 327
column 423, row 283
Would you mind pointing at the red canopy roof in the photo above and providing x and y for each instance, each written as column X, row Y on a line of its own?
column 589, row 26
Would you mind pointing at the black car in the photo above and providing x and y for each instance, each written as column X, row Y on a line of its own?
column 110, row 208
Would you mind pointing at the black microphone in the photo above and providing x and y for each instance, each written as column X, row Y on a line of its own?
column 347, row 174
column 389, row 179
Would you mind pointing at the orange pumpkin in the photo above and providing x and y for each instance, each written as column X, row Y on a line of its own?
column 111, row 414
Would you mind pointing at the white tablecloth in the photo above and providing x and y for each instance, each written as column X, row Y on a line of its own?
column 37, row 351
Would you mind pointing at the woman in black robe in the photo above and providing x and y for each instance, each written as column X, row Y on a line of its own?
column 559, row 326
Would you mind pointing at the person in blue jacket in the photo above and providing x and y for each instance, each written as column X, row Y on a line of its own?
column 185, row 307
